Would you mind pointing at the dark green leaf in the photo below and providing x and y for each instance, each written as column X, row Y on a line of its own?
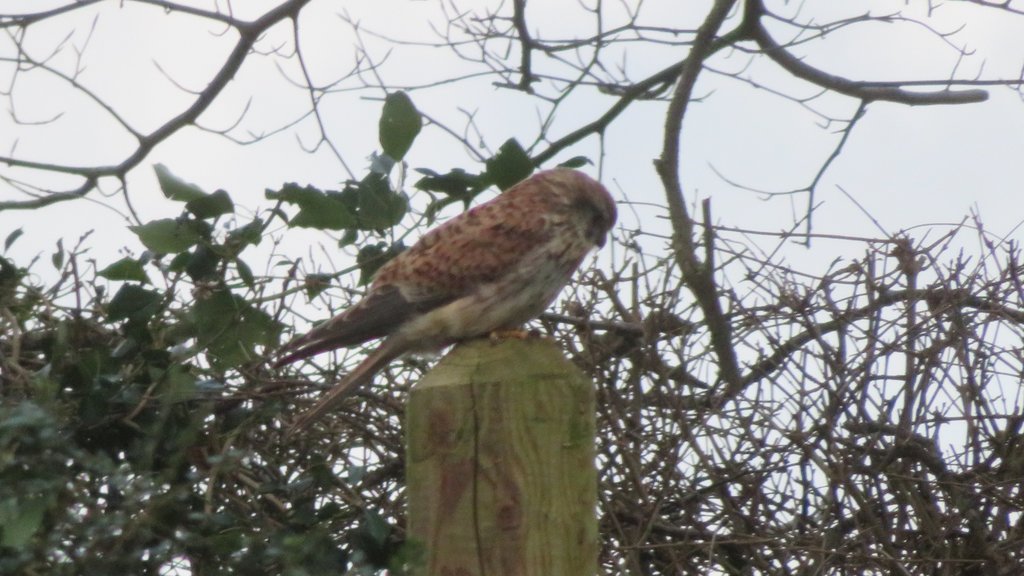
column 373, row 256
column 245, row 273
column 125, row 269
column 230, row 328
column 10, row 278
column 21, row 520
column 179, row 384
column 239, row 238
column 11, row 238
column 317, row 209
column 458, row 183
column 370, row 258
column 376, row 527
column 348, row 237
column 211, row 206
column 44, row 389
column 575, row 162
column 132, row 302
column 379, row 206
column 175, row 188
column 510, row 165
column 372, row 539
column 58, row 257
column 125, row 348
column 179, row 262
column 167, row 236
column 399, row 124
column 203, row 263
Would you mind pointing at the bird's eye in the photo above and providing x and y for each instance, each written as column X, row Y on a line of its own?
column 597, row 227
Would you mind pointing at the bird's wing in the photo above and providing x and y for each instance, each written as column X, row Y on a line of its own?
column 475, row 248
column 377, row 315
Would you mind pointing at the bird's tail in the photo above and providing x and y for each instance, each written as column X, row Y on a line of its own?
column 360, row 376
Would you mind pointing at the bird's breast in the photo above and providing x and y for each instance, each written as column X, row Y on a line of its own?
column 526, row 290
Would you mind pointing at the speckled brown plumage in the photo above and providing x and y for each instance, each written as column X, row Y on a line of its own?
column 491, row 268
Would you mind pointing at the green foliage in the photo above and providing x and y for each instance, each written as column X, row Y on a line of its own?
column 211, row 205
column 510, row 165
column 9, row 240
column 575, row 162
column 132, row 302
column 230, row 329
column 125, row 269
column 175, row 188
column 169, row 235
column 369, row 204
column 457, row 184
column 373, row 256
column 399, row 124
column 317, row 209
column 116, row 420
column 103, row 409
column 377, row 207
column 10, row 279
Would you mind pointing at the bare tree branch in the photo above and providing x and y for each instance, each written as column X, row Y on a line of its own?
column 699, row 278
column 248, row 34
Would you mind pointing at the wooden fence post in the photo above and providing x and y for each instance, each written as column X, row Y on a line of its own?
column 500, row 469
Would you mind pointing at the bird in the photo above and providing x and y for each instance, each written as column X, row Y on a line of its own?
column 488, row 270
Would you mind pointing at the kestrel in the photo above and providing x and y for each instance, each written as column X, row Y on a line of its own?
column 491, row 268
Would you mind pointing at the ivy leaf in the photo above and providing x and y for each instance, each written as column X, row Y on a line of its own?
column 178, row 384
column 372, row 256
column 230, row 328
column 11, row 238
column 179, row 262
column 125, row 269
column 21, row 520
column 245, row 273
column 575, row 162
column 167, row 235
column 510, row 165
column 57, row 258
column 10, row 278
column 348, row 237
column 202, row 264
column 399, row 124
column 239, row 238
column 458, row 183
column 379, row 207
column 317, row 209
column 211, row 205
column 372, row 538
column 196, row 201
column 175, row 188
column 132, row 302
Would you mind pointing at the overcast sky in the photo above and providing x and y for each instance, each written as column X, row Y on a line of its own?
column 911, row 168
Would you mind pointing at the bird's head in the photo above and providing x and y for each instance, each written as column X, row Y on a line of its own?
column 589, row 200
